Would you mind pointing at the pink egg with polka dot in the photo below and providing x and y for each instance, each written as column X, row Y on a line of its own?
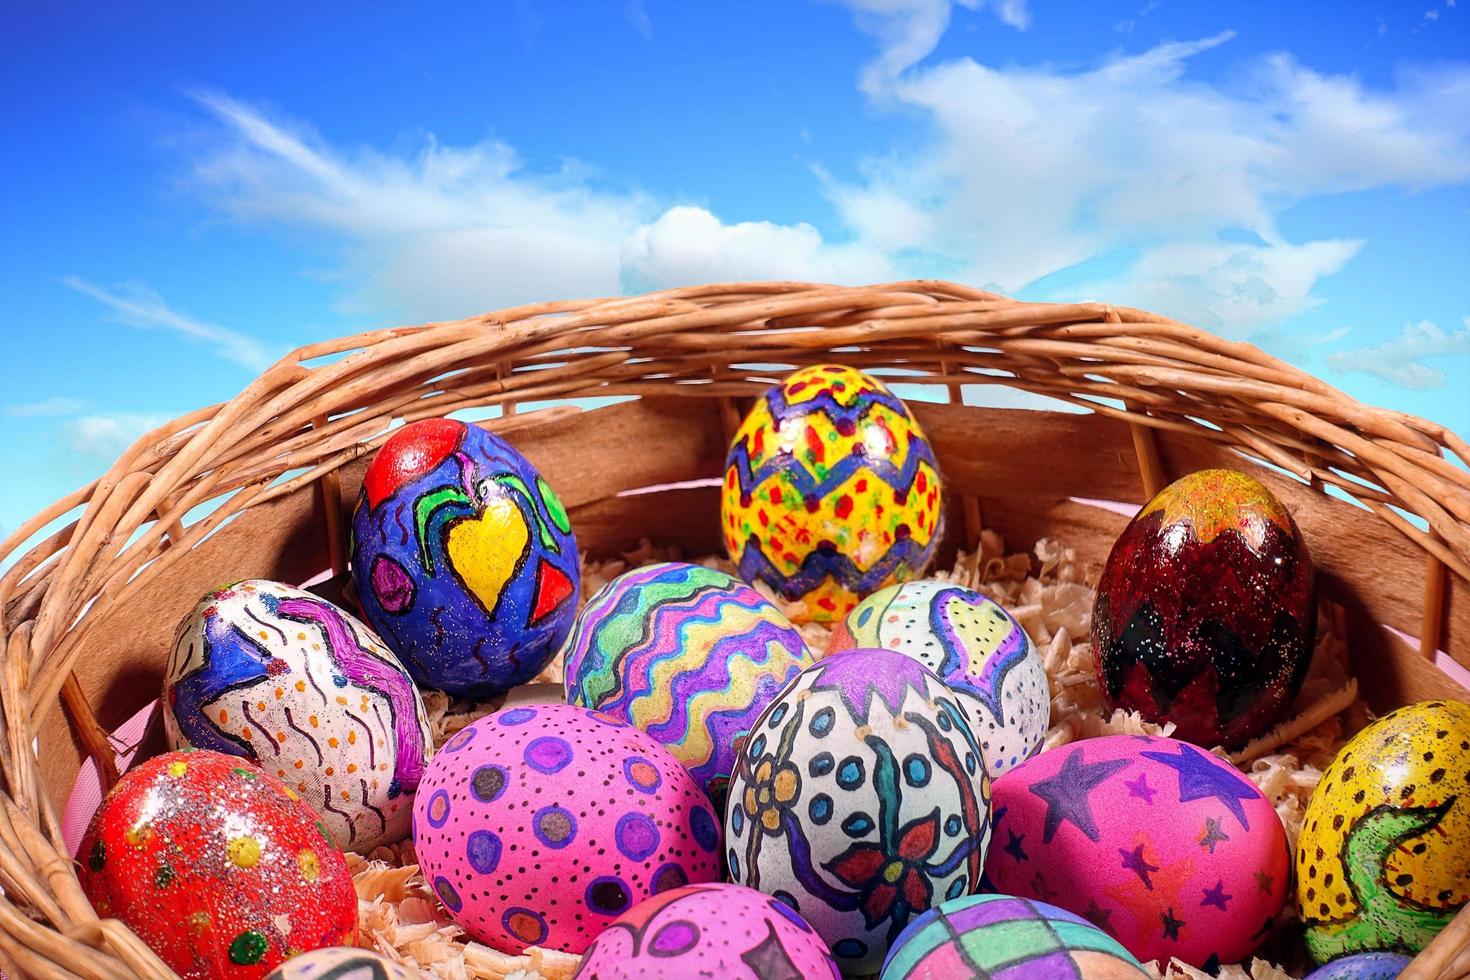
column 717, row 930
column 539, row 825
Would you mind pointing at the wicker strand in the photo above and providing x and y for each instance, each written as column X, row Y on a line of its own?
column 330, row 403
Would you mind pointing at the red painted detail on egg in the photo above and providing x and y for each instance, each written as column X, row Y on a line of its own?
column 408, row 454
column 552, row 589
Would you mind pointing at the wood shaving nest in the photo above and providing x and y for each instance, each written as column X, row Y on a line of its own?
column 1049, row 593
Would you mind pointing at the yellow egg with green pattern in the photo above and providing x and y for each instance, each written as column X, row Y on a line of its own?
column 1383, row 861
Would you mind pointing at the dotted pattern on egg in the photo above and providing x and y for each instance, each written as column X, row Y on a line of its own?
column 976, row 647
column 1383, row 859
column 715, row 930
column 536, row 826
column 278, row 675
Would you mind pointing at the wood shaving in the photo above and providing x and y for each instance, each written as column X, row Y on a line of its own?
column 1050, row 593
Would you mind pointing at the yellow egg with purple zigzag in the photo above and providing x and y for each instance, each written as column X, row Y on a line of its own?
column 831, row 491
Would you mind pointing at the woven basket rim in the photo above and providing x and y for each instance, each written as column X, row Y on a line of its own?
column 328, row 403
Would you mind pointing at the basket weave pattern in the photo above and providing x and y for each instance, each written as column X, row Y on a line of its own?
column 328, row 404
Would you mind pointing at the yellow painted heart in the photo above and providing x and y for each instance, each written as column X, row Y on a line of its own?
column 486, row 551
column 983, row 627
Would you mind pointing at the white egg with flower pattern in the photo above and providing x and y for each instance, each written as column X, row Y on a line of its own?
column 860, row 799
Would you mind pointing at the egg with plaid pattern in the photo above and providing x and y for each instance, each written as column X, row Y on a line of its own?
column 997, row 937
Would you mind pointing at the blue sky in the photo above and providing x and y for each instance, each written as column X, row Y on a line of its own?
column 189, row 190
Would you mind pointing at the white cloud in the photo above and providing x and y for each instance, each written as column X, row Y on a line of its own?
column 690, row 245
column 106, row 436
column 1035, row 169
column 1400, row 360
column 446, row 231
column 138, row 306
column 1013, row 13
column 56, row 405
column 1171, row 183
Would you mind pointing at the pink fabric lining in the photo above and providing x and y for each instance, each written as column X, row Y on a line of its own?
column 86, row 792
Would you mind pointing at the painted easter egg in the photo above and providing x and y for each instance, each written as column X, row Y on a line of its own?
column 1206, row 612
column 714, row 930
column 860, row 799
column 831, row 491
column 1362, row 966
column 688, row 654
column 1383, row 860
column 975, row 647
column 217, row 866
column 1165, row 847
column 285, row 678
column 539, row 825
column 984, row 936
column 340, row 963
column 463, row 558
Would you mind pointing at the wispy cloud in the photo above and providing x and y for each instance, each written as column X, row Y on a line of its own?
column 52, row 407
column 907, row 31
column 105, row 436
column 1400, row 361
column 1028, row 171
column 1036, row 169
column 138, row 306
column 443, row 231
column 636, row 13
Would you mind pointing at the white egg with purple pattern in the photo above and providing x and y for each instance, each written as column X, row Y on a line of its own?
column 975, row 647
column 278, row 675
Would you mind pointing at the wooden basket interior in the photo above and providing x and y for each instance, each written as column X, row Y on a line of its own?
column 1027, row 474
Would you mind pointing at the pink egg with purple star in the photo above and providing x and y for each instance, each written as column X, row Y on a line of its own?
column 1167, row 848
column 715, row 930
column 539, row 825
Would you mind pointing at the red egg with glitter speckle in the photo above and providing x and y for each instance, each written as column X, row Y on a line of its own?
column 1206, row 611
column 220, row 868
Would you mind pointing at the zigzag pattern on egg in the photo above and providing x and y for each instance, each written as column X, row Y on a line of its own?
column 831, row 491
column 685, row 653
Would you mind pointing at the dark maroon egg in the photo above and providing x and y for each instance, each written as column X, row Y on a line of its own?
column 1206, row 612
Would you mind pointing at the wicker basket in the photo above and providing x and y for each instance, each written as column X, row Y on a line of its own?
column 88, row 613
